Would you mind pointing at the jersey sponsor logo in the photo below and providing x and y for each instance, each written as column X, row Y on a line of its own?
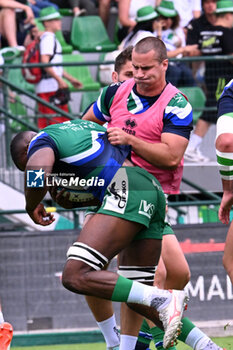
column 146, row 209
column 118, row 190
column 131, row 123
column 121, row 195
column 129, row 131
column 35, row 178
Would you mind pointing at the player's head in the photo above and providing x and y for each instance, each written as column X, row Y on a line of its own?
column 149, row 61
column 19, row 146
column 152, row 44
column 123, row 66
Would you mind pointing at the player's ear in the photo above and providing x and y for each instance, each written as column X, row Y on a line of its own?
column 114, row 77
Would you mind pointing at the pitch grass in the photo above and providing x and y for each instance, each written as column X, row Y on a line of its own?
column 224, row 342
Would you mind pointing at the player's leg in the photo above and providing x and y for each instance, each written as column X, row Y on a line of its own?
column 95, row 246
column 102, row 245
column 102, row 309
column 166, row 275
column 138, row 266
column 190, row 335
column 228, row 253
column 178, row 274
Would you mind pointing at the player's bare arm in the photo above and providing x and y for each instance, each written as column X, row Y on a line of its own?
column 42, row 161
column 89, row 115
column 167, row 154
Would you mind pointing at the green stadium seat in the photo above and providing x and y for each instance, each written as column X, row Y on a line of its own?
column 9, row 54
column 66, row 48
column 18, row 109
column 81, row 73
column 66, row 12
column 15, row 77
column 196, row 98
column 88, row 34
column 88, row 97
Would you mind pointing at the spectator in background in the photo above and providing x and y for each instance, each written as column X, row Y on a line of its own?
column 79, row 7
column 52, row 86
column 127, row 12
column 6, row 332
column 195, row 30
column 146, row 24
column 213, row 40
column 104, row 10
column 33, row 33
column 37, row 5
column 178, row 73
column 197, row 25
column 163, row 24
column 8, row 25
column 187, row 9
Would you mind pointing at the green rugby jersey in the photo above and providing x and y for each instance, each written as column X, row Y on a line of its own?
column 81, row 148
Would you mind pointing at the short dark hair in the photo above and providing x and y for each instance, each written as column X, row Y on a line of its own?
column 16, row 147
column 152, row 43
column 122, row 58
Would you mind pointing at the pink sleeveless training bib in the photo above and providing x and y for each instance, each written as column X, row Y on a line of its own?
column 147, row 126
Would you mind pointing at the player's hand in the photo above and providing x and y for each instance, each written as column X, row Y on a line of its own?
column 117, row 136
column 225, row 207
column 40, row 216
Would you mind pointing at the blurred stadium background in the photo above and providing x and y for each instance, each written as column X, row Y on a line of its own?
column 32, row 258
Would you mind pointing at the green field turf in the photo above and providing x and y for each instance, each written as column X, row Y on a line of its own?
column 226, row 342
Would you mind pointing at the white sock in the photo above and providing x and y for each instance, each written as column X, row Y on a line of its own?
column 195, row 141
column 196, row 339
column 109, row 330
column 128, row 342
column 142, row 294
column 1, row 317
column 202, row 343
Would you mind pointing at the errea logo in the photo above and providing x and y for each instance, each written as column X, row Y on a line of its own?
column 146, row 209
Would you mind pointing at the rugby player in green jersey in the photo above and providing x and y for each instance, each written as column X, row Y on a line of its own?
column 131, row 211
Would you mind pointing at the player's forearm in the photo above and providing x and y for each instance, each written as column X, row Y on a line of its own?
column 158, row 154
column 33, row 197
column 89, row 115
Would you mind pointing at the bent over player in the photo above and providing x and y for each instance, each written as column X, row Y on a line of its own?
column 130, row 218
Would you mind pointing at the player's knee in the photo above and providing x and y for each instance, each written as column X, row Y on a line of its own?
column 76, row 282
column 72, row 276
column 82, row 259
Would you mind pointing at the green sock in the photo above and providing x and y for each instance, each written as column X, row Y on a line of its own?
column 158, row 335
column 144, row 333
column 186, row 329
column 122, row 289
